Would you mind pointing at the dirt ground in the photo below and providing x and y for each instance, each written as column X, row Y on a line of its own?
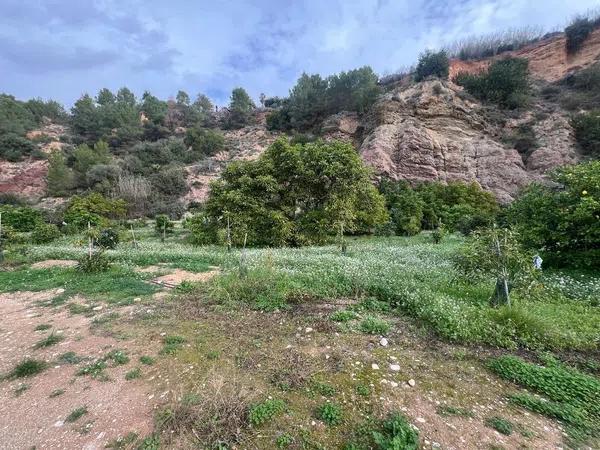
column 35, row 419
column 413, row 374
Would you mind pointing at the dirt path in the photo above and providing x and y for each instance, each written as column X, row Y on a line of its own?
column 31, row 414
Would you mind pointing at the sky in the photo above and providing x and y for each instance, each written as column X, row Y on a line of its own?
column 61, row 49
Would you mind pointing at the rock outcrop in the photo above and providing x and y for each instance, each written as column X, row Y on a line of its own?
column 25, row 179
column 432, row 131
column 548, row 58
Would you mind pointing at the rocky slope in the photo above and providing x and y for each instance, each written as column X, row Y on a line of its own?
column 548, row 58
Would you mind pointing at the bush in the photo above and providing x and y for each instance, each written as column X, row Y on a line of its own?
column 27, row 368
column 45, row 233
column 587, row 132
column 505, row 83
column 432, row 64
column 20, row 218
column 374, row 325
column 108, row 238
column 163, row 224
column 93, row 209
column 204, row 142
column 14, row 147
column 500, row 425
column 577, row 32
column 94, row 263
column 561, row 222
column 169, row 181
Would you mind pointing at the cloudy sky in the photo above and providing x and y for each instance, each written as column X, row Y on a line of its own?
column 62, row 48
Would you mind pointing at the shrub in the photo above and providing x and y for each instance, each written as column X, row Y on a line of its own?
column 343, row 316
column 93, row 209
column 44, row 233
column 14, row 147
column 500, row 425
column 60, row 178
column 76, row 414
column 577, row 32
column 263, row 412
column 432, row 64
column 163, row 224
column 561, row 222
column 330, row 414
column 396, row 433
column 169, row 181
column 27, row 368
column 505, row 83
column 587, row 132
column 20, row 218
column 204, row 142
column 94, row 263
column 108, row 238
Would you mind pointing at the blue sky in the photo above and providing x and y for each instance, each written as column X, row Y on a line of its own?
column 61, row 49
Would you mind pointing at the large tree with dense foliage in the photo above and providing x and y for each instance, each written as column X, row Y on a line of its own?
column 563, row 221
column 292, row 195
column 432, row 64
column 240, row 109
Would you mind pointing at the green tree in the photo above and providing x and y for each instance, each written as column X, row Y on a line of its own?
column 204, row 142
column 292, row 195
column 84, row 158
column 14, row 147
column 562, row 223
column 240, row 109
column 587, row 132
column 105, row 97
column 85, row 119
column 432, row 64
column 405, row 207
column 94, row 209
column 14, row 116
column 60, row 177
column 154, row 109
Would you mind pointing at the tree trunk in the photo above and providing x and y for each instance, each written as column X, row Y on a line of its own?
column 501, row 294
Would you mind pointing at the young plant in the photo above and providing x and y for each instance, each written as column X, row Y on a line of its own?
column 265, row 411
column 374, row 325
column 330, row 414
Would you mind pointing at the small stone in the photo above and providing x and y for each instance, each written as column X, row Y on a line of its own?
column 60, row 291
column 383, row 342
column 60, row 423
column 137, row 299
column 412, row 382
column 393, row 384
column 421, row 420
column 394, row 367
column 308, row 330
column 374, row 366
column 313, row 423
column 97, row 308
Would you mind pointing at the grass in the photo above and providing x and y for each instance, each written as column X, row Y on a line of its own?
column 43, row 327
column 94, row 369
column 330, row 414
column 564, row 393
column 374, row 325
column 76, row 414
column 69, row 358
column 48, row 341
column 56, row 393
column 133, row 374
column 500, row 425
column 27, row 368
column 172, row 344
column 447, row 411
column 147, row 360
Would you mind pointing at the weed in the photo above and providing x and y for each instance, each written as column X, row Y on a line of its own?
column 76, row 414
column 363, row 390
column 69, row 358
column 447, row 410
column 330, row 414
column 77, row 308
column 94, row 263
column 343, row 316
column 500, row 425
column 118, row 357
column 147, row 360
column 56, row 393
column 263, row 412
column 123, row 443
column 133, row 374
column 284, row 440
column 94, row 370
column 43, row 327
column 172, row 344
column 48, row 341
column 27, row 368
column 20, row 389
column 374, row 325
column 324, row 389
column 396, row 433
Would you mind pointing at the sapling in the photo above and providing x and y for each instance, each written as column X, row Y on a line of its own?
column 496, row 253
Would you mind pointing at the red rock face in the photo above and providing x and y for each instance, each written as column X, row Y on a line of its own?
column 26, row 179
column 548, row 59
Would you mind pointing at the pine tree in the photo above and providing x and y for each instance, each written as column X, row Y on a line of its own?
column 60, row 177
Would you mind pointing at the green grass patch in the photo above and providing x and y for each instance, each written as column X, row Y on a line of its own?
column 172, row 344
column 95, row 370
column 330, row 414
column 447, row 411
column 133, row 374
column 69, row 358
column 43, row 327
column 147, row 360
column 568, row 394
column 343, row 316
